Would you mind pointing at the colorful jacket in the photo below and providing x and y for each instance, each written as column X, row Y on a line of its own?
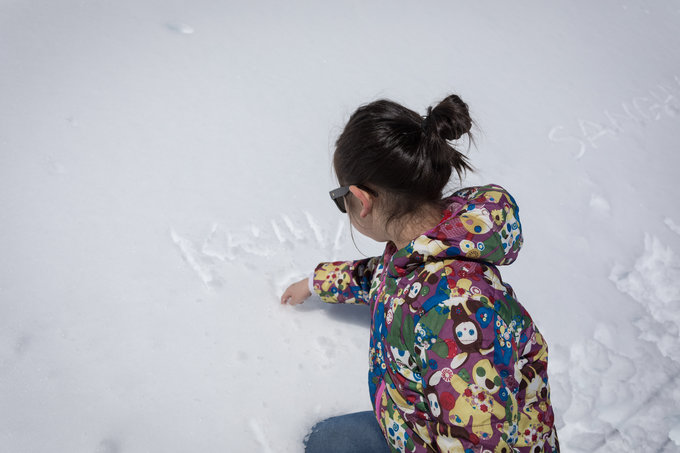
column 456, row 363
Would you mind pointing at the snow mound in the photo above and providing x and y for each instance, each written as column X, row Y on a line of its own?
column 654, row 282
column 618, row 391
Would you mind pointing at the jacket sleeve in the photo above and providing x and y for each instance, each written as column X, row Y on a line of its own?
column 346, row 282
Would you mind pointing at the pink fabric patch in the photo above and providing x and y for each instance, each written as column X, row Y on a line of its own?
column 378, row 396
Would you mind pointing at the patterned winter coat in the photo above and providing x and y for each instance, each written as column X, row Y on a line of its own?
column 456, row 363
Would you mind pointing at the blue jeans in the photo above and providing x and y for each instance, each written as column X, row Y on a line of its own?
column 351, row 433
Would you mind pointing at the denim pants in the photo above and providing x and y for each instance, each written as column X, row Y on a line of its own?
column 351, row 433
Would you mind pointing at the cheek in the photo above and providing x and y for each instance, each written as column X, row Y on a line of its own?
column 366, row 229
column 356, row 221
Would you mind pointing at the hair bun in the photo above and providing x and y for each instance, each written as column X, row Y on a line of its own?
column 449, row 120
column 395, row 151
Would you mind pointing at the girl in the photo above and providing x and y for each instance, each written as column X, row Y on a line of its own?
column 456, row 363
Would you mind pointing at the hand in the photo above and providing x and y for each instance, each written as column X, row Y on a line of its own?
column 296, row 293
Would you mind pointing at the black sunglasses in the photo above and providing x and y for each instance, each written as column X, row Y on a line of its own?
column 338, row 195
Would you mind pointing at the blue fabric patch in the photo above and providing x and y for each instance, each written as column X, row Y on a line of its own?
column 484, row 317
column 438, row 297
column 453, row 251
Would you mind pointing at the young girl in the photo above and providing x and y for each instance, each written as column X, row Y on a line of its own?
column 456, row 363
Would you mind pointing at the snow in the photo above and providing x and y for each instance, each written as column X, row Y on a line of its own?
column 164, row 169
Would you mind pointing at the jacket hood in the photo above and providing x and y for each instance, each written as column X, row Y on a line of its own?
column 480, row 224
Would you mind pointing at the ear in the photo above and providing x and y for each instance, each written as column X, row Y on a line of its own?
column 365, row 198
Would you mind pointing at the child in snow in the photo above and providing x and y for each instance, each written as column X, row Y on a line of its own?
column 456, row 363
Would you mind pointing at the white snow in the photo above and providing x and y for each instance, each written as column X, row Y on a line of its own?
column 164, row 169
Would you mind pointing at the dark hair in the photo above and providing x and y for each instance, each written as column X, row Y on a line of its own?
column 406, row 158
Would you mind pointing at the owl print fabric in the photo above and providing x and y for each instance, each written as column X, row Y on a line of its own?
column 456, row 363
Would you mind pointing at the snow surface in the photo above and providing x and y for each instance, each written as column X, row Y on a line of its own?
column 164, row 168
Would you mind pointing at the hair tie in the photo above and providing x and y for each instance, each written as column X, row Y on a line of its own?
column 426, row 118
